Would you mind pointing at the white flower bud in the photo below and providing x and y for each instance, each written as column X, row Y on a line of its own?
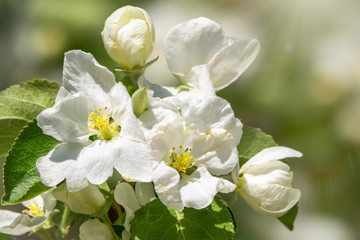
column 129, row 36
column 266, row 183
column 95, row 230
column 88, row 200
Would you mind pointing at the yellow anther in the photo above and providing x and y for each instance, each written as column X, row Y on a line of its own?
column 191, row 157
column 100, row 109
column 105, row 108
column 180, row 146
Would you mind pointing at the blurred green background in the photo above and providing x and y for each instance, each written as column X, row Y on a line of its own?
column 303, row 88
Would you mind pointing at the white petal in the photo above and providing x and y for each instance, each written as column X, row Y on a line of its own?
column 166, row 181
column 198, row 189
column 133, row 162
column 122, row 110
column 199, row 78
column 18, row 224
column 163, row 137
column 154, row 116
column 120, row 100
column 144, row 192
column 271, row 154
column 192, row 43
column 67, row 120
column 95, row 230
column 7, row 217
column 212, row 112
column 82, row 73
column 49, row 202
column 99, row 160
column 270, row 200
column 36, row 201
column 229, row 63
column 124, row 195
column 159, row 90
column 266, row 168
column 64, row 161
column 217, row 151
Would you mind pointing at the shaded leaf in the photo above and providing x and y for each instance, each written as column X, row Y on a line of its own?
column 253, row 141
column 21, row 178
column 289, row 218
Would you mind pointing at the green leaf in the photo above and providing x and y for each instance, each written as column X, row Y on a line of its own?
column 253, row 141
column 21, row 178
column 20, row 104
column 156, row 221
column 289, row 218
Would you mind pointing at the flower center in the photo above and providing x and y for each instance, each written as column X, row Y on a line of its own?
column 34, row 210
column 181, row 160
column 104, row 126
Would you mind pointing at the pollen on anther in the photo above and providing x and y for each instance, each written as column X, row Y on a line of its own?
column 173, row 148
column 193, row 164
column 105, row 108
column 180, row 146
column 191, row 157
column 100, row 109
column 189, row 149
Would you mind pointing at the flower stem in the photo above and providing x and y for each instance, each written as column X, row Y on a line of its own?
column 64, row 227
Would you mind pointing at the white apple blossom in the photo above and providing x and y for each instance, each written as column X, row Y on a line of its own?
column 184, row 159
column 93, row 118
column 37, row 214
column 266, row 183
column 129, row 36
column 201, row 41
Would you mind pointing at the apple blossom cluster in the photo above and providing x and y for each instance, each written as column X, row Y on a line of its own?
column 176, row 144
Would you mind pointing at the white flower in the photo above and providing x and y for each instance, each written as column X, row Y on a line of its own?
column 93, row 118
column 131, row 200
column 129, row 36
column 266, row 183
column 95, row 230
column 201, row 41
column 39, row 209
column 183, row 159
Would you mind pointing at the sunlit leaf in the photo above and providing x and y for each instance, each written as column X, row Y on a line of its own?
column 20, row 104
column 156, row 221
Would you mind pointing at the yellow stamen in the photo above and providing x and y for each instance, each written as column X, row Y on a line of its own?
column 181, row 160
column 101, row 124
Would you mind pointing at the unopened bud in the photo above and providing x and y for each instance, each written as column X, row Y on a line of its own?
column 129, row 36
